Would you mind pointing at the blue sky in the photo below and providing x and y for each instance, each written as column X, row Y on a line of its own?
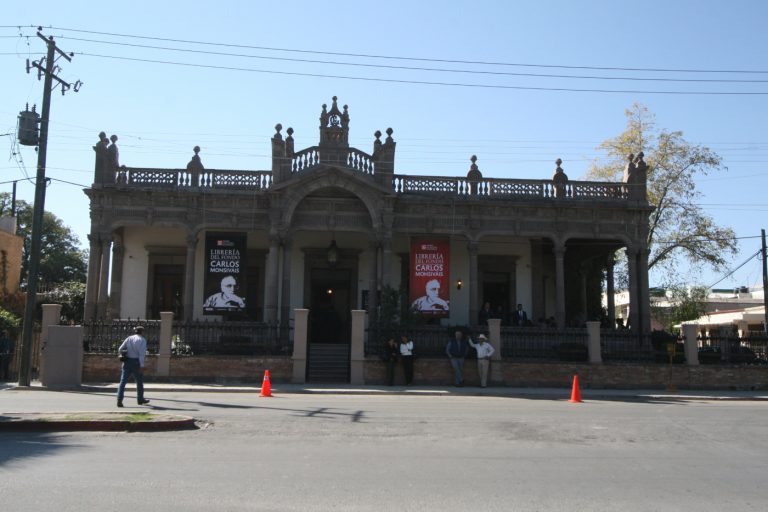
column 161, row 110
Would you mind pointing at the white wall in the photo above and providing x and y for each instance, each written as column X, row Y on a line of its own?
column 133, row 298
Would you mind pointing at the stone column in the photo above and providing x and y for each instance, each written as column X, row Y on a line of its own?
column 101, row 305
column 560, row 286
column 494, row 338
column 116, row 289
column 610, row 290
column 92, row 285
column 189, row 278
column 270, row 299
column 285, row 306
column 691, row 344
column 386, row 260
column 163, row 368
column 594, row 349
column 643, row 291
column 472, row 285
column 357, row 350
column 300, row 319
column 373, row 281
column 634, row 306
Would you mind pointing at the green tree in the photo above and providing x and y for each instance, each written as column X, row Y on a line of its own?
column 685, row 304
column 61, row 259
column 679, row 226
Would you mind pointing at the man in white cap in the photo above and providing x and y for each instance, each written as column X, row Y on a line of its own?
column 484, row 352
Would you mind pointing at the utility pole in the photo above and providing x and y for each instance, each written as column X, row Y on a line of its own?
column 40, row 183
column 765, row 284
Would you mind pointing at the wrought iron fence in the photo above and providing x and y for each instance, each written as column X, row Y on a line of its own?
column 628, row 346
column 544, row 344
column 104, row 336
column 731, row 349
column 230, row 338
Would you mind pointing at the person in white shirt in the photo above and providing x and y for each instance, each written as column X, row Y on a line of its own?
column 406, row 356
column 484, row 352
column 135, row 350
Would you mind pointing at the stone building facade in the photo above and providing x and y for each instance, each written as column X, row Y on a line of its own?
column 329, row 224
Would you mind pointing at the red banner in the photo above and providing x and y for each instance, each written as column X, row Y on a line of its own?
column 430, row 277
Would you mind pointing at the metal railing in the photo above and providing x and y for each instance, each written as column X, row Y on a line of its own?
column 544, row 344
column 619, row 345
column 715, row 349
column 230, row 338
column 105, row 336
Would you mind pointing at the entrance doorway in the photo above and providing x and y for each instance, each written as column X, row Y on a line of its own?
column 329, row 325
column 167, row 288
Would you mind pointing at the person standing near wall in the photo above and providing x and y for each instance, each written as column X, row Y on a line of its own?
column 406, row 355
column 456, row 350
column 484, row 352
column 391, row 355
column 135, row 349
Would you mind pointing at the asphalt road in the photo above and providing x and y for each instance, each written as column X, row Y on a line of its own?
column 354, row 452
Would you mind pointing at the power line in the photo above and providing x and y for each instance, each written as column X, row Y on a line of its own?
column 730, row 273
column 390, row 57
column 412, row 68
column 427, row 82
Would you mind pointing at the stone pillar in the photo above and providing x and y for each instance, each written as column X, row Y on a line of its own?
column 116, row 288
column 300, row 320
column 473, row 288
column 691, row 344
column 494, row 338
column 92, row 285
column 270, row 299
column 610, row 291
column 163, row 368
column 560, row 286
column 634, row 306
column 189, row 278
column 373, row 281
column 386, row 261
column 357, row 350
column 51, row 316
column 103, row 301
column 285, row 306
column 595, row 353
column 643, row 291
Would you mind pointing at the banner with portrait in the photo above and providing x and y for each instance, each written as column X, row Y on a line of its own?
column 225, row 271
column 430, row 291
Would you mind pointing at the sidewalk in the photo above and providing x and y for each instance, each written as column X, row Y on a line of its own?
column 349, row 389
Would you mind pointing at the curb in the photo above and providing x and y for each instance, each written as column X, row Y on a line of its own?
column 48, row 422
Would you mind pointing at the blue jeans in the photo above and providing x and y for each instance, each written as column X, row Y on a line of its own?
column 458, row 366
column 131, row 367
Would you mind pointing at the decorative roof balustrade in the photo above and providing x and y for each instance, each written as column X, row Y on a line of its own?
column 508, row 188
column 183, row 178
column 401, row 183
column 349, row 157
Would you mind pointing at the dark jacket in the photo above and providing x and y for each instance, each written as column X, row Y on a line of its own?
column 456, row 348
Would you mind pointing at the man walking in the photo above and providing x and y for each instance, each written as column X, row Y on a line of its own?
column 135, row 349
column 484, row 352
column 456, row 350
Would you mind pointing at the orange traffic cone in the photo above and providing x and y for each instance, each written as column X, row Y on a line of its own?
column 266, row 387
column 575, row 392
